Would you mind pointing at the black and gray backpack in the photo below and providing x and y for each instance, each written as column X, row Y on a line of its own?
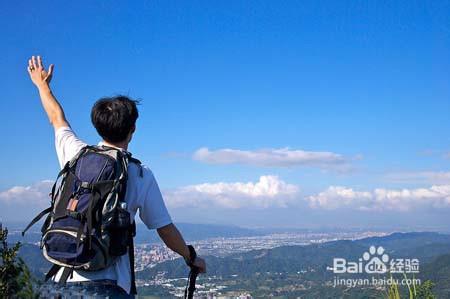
column 88, row 225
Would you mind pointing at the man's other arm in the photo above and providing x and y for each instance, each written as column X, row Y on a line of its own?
column 41, row 78
column 173, row 239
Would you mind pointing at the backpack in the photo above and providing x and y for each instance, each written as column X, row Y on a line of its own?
column 88, row 225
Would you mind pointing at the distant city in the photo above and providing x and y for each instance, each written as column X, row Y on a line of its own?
column 149, row 255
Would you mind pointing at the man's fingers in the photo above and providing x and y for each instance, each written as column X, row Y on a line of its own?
column 33, row 61
column 39, row 62
column 50, row 70
column 30, row 63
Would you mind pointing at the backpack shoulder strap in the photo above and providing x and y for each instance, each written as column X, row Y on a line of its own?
column 131, row 256
column 52, row 272
column 135, row 161
column 67, row 272
column 36, row 219
column 124, row 154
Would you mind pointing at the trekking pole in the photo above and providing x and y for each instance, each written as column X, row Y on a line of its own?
column 190, row 288
column 193, row 273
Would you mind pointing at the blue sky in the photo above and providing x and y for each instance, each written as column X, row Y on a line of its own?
column 366, row 81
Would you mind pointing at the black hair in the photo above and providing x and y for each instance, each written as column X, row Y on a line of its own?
column 114, row 117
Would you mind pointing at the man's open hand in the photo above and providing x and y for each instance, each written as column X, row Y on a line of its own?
column 38, row 74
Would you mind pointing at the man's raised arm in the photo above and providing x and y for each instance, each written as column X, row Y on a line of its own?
column 41, row 78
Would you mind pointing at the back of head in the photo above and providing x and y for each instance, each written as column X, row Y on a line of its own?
column 114, row 118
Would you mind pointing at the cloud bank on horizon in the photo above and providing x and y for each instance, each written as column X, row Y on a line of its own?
column 267, row 192
column 381, row 199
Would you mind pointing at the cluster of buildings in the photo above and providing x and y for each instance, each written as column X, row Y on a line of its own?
column 148, row 255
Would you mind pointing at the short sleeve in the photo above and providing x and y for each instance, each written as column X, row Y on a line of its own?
column 67, row 145
column 152, row 209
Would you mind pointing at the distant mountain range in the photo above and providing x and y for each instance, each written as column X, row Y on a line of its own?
column 190, row 231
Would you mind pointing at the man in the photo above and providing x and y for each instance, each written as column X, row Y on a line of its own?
column 115, row 121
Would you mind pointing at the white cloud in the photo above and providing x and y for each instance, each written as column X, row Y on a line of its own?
column 33, row 195
column 283, row 157
column 336, row 196
column 267, row 192
column 380, row 199
column 431, row 177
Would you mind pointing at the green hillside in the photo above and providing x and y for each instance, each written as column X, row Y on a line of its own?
column 299, row 271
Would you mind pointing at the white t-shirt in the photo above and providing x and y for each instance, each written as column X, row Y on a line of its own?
column 142, row 194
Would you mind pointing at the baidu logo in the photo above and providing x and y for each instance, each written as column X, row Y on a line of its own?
column 375, row 261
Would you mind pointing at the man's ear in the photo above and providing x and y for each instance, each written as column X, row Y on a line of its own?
column 130, row 135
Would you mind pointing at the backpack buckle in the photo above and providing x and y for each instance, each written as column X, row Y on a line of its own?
column 86, row 185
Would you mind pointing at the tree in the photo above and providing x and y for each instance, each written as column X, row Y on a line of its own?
column 425, row 290
column 15, row 278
